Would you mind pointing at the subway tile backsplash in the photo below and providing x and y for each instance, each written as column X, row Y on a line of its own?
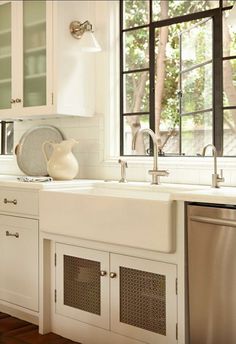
column 90, row 153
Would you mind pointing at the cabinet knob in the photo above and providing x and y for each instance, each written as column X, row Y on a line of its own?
column 13, row 101
column 113, row 274
column 18, row 100
column 103, row 273
column 12, row 202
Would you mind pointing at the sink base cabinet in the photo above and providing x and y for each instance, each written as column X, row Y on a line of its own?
column 19, row 261
column 82, row 293
column 143, row 299
column 133, row 297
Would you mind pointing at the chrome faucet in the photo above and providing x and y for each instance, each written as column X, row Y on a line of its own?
column 123, row 165
column 155, row 173
column 215, row 177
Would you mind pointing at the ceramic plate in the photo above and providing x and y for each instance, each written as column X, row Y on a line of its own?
column 29, row 154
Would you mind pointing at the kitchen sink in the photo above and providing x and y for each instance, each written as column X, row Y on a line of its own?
column 133, row 214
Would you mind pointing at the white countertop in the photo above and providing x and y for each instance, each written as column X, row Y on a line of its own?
column 12, row 181
column 179, row 192
column 222, row 195
column 176, row 192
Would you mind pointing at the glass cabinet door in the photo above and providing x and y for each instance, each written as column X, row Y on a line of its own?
column 5, row 56
column 82, row 283
column 34, row 53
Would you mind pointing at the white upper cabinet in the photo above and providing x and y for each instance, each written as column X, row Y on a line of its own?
column 42, row 73
column 6, row 57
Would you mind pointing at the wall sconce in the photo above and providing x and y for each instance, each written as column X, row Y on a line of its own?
column 89, row 42
column 231, row 20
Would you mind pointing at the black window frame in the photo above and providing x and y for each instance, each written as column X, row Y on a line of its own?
column 4, row 150
column 217, row 107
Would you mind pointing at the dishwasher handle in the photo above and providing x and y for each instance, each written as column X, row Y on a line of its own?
column 203, row 219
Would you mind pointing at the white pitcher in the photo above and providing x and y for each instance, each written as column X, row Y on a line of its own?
column 62, row 164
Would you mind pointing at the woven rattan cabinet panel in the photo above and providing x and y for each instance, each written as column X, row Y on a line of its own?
column 128, row 295
column 144, row 300
column 82, row 290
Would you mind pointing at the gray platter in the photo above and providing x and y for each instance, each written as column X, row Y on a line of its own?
column 29, row 154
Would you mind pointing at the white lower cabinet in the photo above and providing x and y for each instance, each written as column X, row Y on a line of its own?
column 127, row 295
column 82, row 291
column 19, row 261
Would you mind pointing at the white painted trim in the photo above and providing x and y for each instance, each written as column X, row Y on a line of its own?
column 6, row 158
column 112, row 125
column 49, row 53
column 176, row 162
column 19, row 312
column 87, row 334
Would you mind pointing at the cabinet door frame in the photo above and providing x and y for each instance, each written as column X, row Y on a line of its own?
column 166, row 269
column 19, row 261
column 14, row 68
column 101, row 320
column 47, row 108
column 17, row 110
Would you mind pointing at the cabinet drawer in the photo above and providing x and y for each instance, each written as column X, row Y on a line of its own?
column 19, row 202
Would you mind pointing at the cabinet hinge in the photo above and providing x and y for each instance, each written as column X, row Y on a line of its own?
column 55, row 259
column 176, row 286
column 176, row 331
column 52, row 98
column 55, row 295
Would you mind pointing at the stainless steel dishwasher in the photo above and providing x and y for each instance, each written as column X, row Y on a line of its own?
column 211, row 274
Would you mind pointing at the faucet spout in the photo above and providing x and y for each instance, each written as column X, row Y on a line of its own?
column 215, row 177
column 155, row 172
column 214, row 152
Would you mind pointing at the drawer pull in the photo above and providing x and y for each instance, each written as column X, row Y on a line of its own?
column 12, row 202
column 12, row 234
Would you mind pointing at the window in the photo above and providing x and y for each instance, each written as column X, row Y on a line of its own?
column 178, row 76
column 6, row 138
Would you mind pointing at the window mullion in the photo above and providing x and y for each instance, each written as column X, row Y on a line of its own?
column 152, row 77
column 121, row 82
column 217, row 83
column 3, row 138
column 180, row 93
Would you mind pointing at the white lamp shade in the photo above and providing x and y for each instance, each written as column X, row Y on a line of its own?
column 88, row 43
column 231, row 20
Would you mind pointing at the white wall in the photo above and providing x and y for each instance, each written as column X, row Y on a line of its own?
column 98, row 136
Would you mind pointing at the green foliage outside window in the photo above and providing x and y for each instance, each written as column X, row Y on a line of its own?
column 183, row 73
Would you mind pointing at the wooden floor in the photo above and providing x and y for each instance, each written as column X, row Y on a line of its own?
column 16, row 331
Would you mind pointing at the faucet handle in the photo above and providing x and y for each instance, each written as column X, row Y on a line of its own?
column 221, row 178
column 123, row 163
column 156, row 174
column 163, row 173
column 216, row 179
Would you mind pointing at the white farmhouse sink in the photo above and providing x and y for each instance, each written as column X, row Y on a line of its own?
column 135, row 215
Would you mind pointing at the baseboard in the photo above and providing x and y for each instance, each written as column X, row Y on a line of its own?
column 19, row 312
